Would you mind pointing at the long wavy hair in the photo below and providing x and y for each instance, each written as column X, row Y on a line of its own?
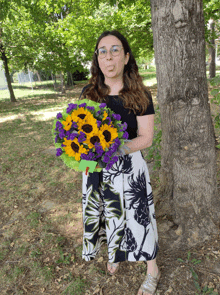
column 135, row 94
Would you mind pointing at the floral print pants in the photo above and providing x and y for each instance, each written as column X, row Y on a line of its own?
column 118, row 208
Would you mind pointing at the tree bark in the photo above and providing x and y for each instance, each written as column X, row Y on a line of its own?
column 63, row 89
column 188, row 167
column 212, row 69
column 7, row 74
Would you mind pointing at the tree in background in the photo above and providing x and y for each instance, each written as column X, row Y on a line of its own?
column 212, row 28
column 188, row 172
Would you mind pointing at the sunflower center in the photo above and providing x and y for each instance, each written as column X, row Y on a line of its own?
column 81, row 116
column 75, row 147
column 107, row 135
column 87, row 128
column 94, row 139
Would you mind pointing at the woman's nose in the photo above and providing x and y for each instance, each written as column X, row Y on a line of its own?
column 108, row 55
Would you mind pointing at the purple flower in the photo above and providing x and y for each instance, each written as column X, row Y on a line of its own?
column 110, row 152
column 106, row 159
column 91, row 155
column 109, row 166
column 59, row 116
column 109, row 120
column 114, row 159
column 82, row 137
column 98, row 113
column 59, row 152
column 58, row 126
column 62, row 145
column 102, row 105
column 56, row 139
column 84, row 157
column 116, row 117
column 72, row 136
column 125, row 135
column 117, row 141
column 99, row 123
column 90, row 108
column 82, row 105
column 62, row 134
column 125, row 126
column 74, row 125
column 114, row 148
column 71, row 106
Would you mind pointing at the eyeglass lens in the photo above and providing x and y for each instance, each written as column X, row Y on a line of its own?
column 115, row 50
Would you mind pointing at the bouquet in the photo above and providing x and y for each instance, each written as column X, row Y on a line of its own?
column 88, row 133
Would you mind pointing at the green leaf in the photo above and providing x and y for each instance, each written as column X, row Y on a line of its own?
column 194, row 274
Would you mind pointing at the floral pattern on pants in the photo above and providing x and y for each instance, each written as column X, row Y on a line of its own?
column 118, row 208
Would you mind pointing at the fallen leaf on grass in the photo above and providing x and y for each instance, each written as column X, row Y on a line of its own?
column 100, row 259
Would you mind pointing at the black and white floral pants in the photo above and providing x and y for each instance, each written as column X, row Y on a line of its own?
column 118, row 208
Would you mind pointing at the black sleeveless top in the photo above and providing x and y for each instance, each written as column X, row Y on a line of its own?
column 115, row 103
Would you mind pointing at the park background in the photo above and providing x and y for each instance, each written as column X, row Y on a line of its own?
column 51, row 43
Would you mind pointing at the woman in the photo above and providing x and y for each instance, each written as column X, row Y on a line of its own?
column 118, row 203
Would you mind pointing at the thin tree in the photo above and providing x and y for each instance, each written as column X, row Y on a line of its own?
column 188, row 172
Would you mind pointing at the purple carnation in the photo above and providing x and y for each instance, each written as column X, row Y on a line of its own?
column 91, row 155
column 82, row 105
column 59, row 116
column 59, row 152
column 125, row 135
column 109, row 166
column 116, row 117
column 99, row 123
column 62, row 134
column 102, row 105
column 90, row 108
column 71, row 106
column 98, row 113
column 56, row 139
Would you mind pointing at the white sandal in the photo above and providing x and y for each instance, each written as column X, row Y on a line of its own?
column 112, row 264
column 150, row 283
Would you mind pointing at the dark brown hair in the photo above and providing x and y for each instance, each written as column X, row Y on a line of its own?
column 135, row 94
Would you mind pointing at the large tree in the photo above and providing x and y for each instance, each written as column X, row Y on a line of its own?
column 188, row 172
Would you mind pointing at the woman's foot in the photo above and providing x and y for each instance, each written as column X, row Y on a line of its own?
column 112, row 267
column 151, row 280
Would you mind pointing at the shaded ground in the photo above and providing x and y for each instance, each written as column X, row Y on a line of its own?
column 41, row 219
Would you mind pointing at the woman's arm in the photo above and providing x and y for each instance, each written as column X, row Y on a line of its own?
column 145, row 134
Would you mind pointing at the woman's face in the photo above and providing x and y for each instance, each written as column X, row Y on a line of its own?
column 112, row 66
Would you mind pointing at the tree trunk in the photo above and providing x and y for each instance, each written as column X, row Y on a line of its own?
column 212, row 52
column 38, row 76
column 188, row 172
column 63, row 89
column 7, row 74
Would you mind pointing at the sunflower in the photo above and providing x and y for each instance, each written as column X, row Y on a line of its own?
column 109, row 133
column 68, row 123
column 74, row 149
column 92, row 138
column 88, row 125
column 105, row 115
column 81, row 114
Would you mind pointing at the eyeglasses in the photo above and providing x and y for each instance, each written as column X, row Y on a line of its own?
column 102, row 52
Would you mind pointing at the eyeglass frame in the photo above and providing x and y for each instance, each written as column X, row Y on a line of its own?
column 96, row 51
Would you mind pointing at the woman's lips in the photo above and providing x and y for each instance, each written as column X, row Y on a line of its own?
column 110, row 68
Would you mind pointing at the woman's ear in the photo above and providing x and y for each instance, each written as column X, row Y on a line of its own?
column 127, row 58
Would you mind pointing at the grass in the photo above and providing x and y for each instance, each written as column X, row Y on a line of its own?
column 41, row 224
